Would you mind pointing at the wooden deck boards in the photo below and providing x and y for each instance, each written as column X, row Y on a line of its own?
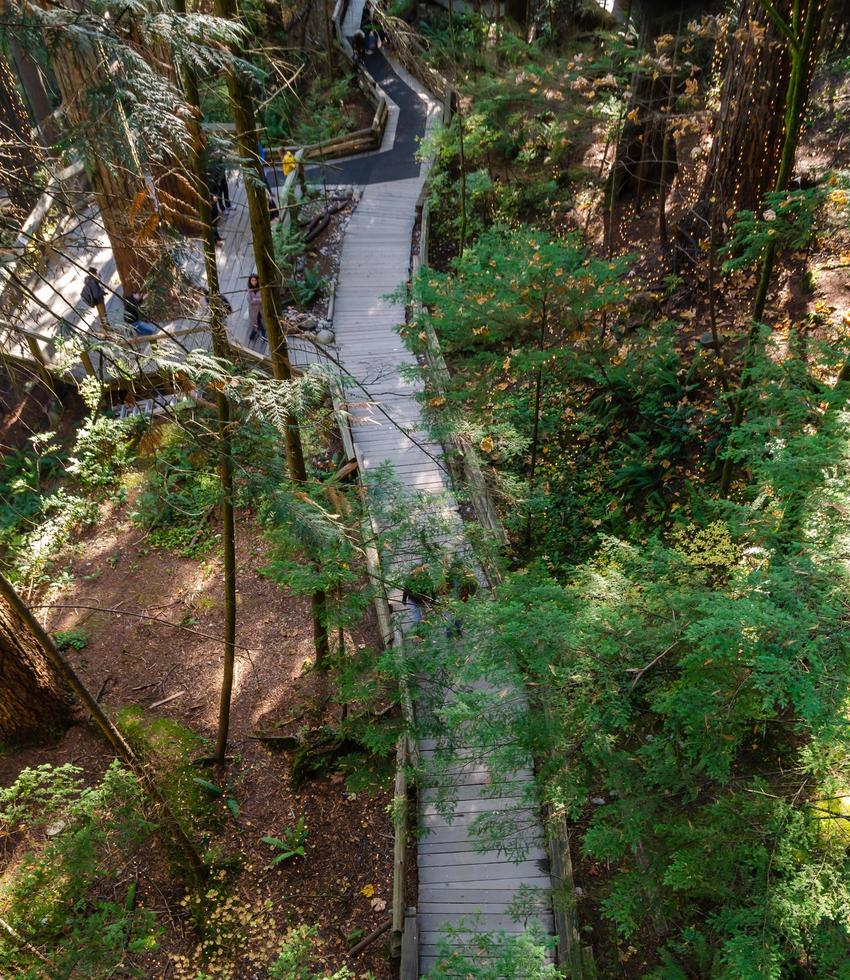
column 456, row 879
column 458, row 882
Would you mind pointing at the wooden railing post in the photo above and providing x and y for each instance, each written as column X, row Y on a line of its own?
column 40, row 365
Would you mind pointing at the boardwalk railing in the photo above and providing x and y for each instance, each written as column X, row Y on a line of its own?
column 465, row 464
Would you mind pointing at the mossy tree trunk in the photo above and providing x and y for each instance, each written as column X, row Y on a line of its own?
column 126, row 208
column 247, row 137
column 34, row 701
column 31, row 639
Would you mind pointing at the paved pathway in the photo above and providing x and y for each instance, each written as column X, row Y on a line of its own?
column 456, row 880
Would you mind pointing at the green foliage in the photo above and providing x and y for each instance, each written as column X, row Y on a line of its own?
column 45, row 497
column 309, row 287
column 786, row 222
column 292, row 844
column 319, row 115
column 468, row 952
column 68, row 896
column 673, row 679
column 313, row 549
column 104, row 450
column 76, row 638
column 519, row 305
column 296, row 953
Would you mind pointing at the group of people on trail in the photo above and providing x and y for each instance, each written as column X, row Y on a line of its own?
column 365, row 43
column 94, row 293
column 94, row 296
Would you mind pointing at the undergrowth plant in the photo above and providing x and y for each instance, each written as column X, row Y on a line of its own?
column 71, row 898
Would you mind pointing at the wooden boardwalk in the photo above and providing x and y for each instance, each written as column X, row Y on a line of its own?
column 457, row 881
column 57, row 312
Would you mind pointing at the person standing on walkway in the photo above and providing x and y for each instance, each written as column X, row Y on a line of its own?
column 373, row 42
column 358, row 46
column 215, row 210
column 133, row 313
column 94, row 295
column 255, row 309
column 218, row 180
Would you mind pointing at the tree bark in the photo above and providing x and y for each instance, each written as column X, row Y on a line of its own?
column 221, row 348
column 804, row 28
column 126, row 208
column 247, row 136
column 744, row 158
column 30, row 74
column 19, row 155
column 34, row 702
column 32, row 635
column 640, row 151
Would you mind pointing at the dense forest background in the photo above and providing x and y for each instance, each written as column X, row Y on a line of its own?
column 632, row 327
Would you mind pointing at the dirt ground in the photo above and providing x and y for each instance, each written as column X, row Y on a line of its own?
column 138, row 661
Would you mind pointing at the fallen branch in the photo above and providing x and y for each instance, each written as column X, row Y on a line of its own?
column 640, row 671
column 19, row 939
column 367, row 940
column 124, row 612
column 171, row 697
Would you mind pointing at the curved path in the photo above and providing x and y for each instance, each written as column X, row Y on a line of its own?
column 457, row 881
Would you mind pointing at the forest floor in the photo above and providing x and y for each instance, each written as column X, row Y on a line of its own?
column 134, row 663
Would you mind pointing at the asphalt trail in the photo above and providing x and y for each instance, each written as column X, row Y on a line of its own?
column 398, row 163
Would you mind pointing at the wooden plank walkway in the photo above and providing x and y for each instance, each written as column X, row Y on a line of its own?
column 57, row 312
column 457, row 881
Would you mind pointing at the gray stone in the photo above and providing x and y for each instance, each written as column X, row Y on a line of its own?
column 325, row 336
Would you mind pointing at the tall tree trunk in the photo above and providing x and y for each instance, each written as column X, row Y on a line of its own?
column 640, row 150
column 268, row 273
column 744, row 158
column 34, row 702
column 36, row 93
column 30, row 636
column 221, row 348
column 803, row 30
column 19, row 155
column 126, row 208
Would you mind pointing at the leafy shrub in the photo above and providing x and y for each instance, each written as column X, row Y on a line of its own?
column 309, row 287
column 702, row 701
column 319, row 116
column 104, row 450
column 466, row 951
column 62, row 899
column 77, row 639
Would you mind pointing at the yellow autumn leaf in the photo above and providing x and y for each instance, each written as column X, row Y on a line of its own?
column 137, row 203
column 487, row 445
column 368, row 891
column 633, row 115
column 437, row 402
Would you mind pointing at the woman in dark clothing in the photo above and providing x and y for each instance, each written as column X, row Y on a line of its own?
column 255, row 309
column 94, row 295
